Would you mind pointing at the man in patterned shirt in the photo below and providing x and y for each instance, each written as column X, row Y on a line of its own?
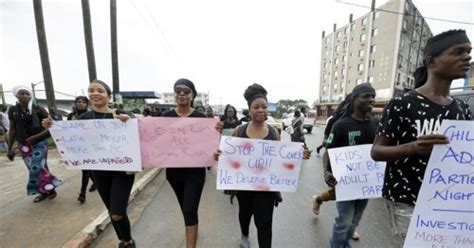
column 409, row 126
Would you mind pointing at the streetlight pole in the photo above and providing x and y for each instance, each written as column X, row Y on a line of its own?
column 33, row 90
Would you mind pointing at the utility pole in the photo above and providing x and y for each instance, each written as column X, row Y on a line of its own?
column 43, row 48
column 115, row 68
column 86, row 18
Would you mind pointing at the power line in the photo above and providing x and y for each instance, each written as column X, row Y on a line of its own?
column 398, row 13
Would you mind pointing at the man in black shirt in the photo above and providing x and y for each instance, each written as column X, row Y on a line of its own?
column 409, row 125
column 356, row 127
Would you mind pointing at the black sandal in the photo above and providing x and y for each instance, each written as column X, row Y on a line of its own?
column 41, row 197
column 52, row 194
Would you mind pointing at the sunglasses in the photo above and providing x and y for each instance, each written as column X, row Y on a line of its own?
column 185, row 90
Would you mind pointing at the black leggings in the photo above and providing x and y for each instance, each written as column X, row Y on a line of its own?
column 188, row 192
column 85, row 180
column 114, row 189
column 260, row 205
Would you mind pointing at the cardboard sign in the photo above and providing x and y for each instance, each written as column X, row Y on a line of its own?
column 178, row 142
column 358, row 175
column 105, row 144
column 444, row 211
column 259, row 165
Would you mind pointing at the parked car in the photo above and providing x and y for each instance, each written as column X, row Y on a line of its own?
column 273, row 123
column 466, row 95
column 309, row 121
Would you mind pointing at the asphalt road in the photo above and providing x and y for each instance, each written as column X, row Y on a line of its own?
column 160, row 223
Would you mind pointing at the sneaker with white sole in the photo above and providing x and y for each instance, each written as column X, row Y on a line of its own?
column 316, row 205
column 355, row 236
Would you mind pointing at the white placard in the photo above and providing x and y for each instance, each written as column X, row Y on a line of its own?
column 259, row 165
column 444, row 211
column 358, row 175
column 104, row 144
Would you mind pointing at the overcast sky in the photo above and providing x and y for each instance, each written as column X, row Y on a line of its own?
column 221, row 45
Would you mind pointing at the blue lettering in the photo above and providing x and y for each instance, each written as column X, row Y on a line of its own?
column 226, row 141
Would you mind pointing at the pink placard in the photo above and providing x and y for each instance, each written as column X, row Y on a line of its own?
column 178, row 142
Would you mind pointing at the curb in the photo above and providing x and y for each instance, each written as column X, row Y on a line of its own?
column 89, row 233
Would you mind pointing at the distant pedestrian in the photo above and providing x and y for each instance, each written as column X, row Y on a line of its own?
column 114, row 186
column 246, row 117
column 25, row 128
column 297, row 126
column 230, row 117
column 81, row 103
column 209, row 112
column 146, row 111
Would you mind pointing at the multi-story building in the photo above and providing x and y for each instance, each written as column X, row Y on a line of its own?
column 383, row 47
column 203, row 98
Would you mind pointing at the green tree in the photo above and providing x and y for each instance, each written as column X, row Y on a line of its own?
column 287, row 106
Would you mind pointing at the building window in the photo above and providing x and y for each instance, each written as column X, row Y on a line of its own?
column 344, row 45
column 343, row 72
column 338, row 34
column 364, row 21
column 371, row 63
column 325, row 65
column 344, row 58
column 377, row 14
column 335, row 86
column 336, row 61
column 375, row 31
column 362, row 37
column 353, row 26
column 360, row 67
column 337, row 48
column 405, row 24
column 373, row 48
column 370, row 79
column 402, row 43
column 335, row 74
column 358, row 81
column 327, row 40
column 346, row 30
column 361, row 52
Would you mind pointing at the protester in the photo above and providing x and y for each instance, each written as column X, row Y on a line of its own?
column 356, row 127
column 187, row 183
column 209, row 112
column 4, row 126
column 332, row 119
column 81, row 103
column 25, row 128
column 246, row 117
column 147, row 111
column 260, row 204
column 297, row 127
column 410, row 123
column 201, row 109
column 114, row 186
column 230, row 117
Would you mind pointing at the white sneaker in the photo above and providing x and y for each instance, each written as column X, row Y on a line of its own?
column 244, row 242
column 355, row 236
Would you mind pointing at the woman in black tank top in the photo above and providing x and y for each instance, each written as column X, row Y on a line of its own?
column 260, row 204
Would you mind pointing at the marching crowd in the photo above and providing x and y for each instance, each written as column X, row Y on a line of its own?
column 398, row 138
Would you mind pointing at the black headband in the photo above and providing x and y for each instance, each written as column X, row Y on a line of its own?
column 435, row 46
column 249, row 102
column 189, row 84
column 107, row 88
column 362, row 88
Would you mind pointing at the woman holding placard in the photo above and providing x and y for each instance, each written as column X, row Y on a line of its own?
column 25, row 128
column 260, row 204
column 81, row 103
column 114, row 186
column 187, row 183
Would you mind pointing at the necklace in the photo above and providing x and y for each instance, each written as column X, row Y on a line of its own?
column 103, row 116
